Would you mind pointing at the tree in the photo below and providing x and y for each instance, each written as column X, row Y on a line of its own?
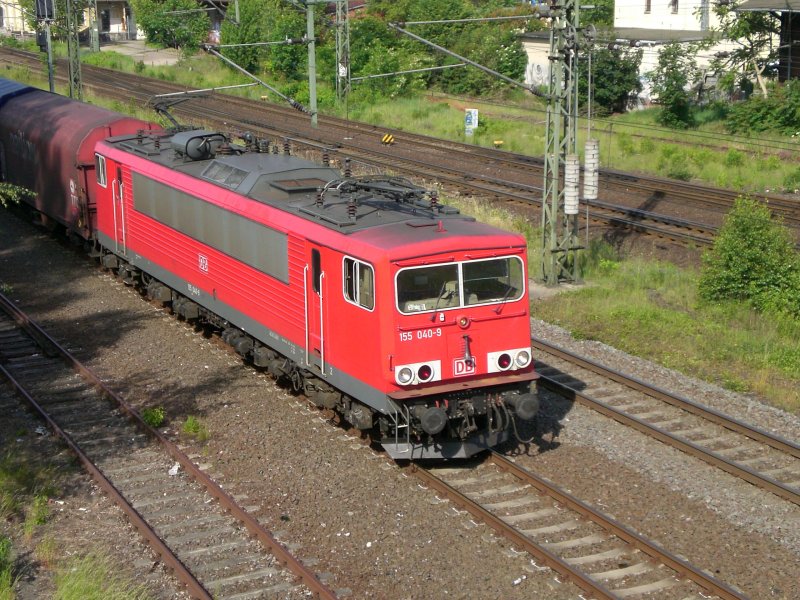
column 753, row 33
column 601, row 14
column 13, row 194
column 290, row 62
column 753, row 260
column 167, row 22
column 676, row 69
column 249, row 30
column 615, row 75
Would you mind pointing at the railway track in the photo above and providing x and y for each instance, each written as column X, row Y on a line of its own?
column 205, row 536
column 603, row 557
column 653, row 206
column 754, row 455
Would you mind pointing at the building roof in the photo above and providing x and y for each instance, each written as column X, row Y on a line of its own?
column 769, row 5
column 644, row 35
column 656, row 36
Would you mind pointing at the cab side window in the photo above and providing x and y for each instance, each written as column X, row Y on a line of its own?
column 359, row 283
column 100, row 169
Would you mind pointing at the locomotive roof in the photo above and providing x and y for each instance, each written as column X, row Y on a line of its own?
column 369, row 206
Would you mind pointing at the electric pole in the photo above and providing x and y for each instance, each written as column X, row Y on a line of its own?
column 73, row 52
column 312, row 60
column 342, row 50
column 559, row 219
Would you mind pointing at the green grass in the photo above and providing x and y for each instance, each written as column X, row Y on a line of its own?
column 36, row 514
column 95, row 577
column 195, row 428
column 652, row 310
column 7, row 579
column 22, row 480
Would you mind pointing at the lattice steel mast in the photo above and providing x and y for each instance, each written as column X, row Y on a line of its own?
column 73, row 51
column 342, row 50
column 560, row 231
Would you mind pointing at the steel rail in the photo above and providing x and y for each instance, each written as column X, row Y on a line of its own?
column 181, row 571
column 278, row 550
column 755, row 433
column 682, row 567
column 550, row 559
column 679, row 565
column 709, row 456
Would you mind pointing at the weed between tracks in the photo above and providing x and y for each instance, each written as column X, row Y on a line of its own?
column 28, row 548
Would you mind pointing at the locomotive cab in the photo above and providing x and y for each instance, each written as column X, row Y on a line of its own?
column 461, row 360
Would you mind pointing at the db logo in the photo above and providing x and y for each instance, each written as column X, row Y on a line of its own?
column 461, row 367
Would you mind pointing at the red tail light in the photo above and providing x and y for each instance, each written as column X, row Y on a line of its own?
column 504, row 361
column 424, row 373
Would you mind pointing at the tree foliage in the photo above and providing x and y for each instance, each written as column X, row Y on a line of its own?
column 615, row 75
column 492, row 44
column 600, row 15
column 753, row 34
column 753, row 260
column 676, row 69
column 161, row 24
column 13, row 194
column 779, row 111
column 253, row 21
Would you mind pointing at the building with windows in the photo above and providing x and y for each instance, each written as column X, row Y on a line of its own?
column 647, row 24
column 12, row 21
column 115, row 20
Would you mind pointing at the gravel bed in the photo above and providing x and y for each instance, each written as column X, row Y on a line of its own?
column 750, row 537
column 369, row 530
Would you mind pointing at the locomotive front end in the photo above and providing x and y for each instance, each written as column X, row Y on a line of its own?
column 462, row 362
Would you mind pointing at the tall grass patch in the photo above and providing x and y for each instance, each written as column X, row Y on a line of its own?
column 21, row 480
column 652, row 310
column 95, row 577
column 6, row 569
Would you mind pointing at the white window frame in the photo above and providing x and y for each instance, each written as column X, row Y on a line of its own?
column 356, row 263
column 100, row 166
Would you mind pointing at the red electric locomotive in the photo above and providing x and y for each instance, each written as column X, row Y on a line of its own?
column 367, row 294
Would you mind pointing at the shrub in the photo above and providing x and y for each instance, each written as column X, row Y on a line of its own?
column 647, row 146
column 734, row 158
column 753, row 260
column 792, row 181
column 154, row 416
column 195, row 428
column 12, row 194
column 676, row 167
column 626, row 145
column 779, row 111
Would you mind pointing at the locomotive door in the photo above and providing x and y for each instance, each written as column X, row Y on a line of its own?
column 314, row 310
column 118, row 201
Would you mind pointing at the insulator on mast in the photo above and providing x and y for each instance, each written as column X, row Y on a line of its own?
column 572, row 175
column 591, row 169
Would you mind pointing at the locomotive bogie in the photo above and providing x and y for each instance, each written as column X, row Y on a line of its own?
column 366, row 294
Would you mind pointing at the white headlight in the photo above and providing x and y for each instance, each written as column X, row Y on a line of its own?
column 523, row 359
column 404, row 376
